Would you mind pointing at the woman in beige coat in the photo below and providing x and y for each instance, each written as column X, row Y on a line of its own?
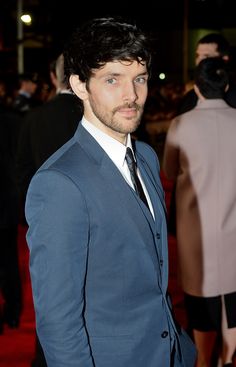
column 200, row 153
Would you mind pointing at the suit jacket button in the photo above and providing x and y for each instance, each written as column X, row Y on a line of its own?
column 161, row 262
column 164, row 334
column 158, row 236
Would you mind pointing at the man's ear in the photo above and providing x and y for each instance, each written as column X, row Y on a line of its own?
column 196, row 89
column 78, row 87
column 198, row 93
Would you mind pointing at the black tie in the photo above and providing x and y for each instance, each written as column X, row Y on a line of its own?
column 134, row 177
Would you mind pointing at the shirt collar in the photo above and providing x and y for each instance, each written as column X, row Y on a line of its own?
column 24, row 93
column 63, row 91
column 114, row 149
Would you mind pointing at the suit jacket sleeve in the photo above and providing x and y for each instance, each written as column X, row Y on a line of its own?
column 58, row 243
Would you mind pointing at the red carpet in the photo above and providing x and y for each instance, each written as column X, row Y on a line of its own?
column 17, row 345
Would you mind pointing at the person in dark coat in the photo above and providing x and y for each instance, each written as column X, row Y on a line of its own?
column 24, row 100
column 45, row 129
column 10, row 282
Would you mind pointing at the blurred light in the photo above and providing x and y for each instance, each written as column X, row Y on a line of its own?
column 26, row 18
column 162, row 76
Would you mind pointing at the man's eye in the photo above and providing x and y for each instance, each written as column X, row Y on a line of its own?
column 141, row 80
column 111, row 81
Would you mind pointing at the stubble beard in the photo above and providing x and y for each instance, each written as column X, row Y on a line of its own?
column 116, row 123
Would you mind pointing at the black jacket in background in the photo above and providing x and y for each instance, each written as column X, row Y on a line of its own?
column 44, row 130
column 190, row 99
column 9, row 128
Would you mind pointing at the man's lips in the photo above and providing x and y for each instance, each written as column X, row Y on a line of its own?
column 129, row 112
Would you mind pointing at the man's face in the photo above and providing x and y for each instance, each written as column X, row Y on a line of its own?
column 29, row 86
column 116, row 96
column 205, row 50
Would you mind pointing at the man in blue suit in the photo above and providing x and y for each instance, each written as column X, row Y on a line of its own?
column 98, row 253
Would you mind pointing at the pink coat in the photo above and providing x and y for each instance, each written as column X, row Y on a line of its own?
column 200, row 152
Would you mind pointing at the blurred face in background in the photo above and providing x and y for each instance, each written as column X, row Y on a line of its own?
column 205, row 50
column 29, row 86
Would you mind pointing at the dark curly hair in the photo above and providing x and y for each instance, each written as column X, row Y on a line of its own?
column 103, row 40
column 211, row 77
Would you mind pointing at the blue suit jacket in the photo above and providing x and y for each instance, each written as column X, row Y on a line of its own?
column 99, row 262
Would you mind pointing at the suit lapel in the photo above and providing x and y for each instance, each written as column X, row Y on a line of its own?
column 151, row 183
column 128, row 198
column 122, row 188
column 123, row 193
column 108, row 168
column 126, row 194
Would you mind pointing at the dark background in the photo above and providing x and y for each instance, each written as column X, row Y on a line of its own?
column 168, row 20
